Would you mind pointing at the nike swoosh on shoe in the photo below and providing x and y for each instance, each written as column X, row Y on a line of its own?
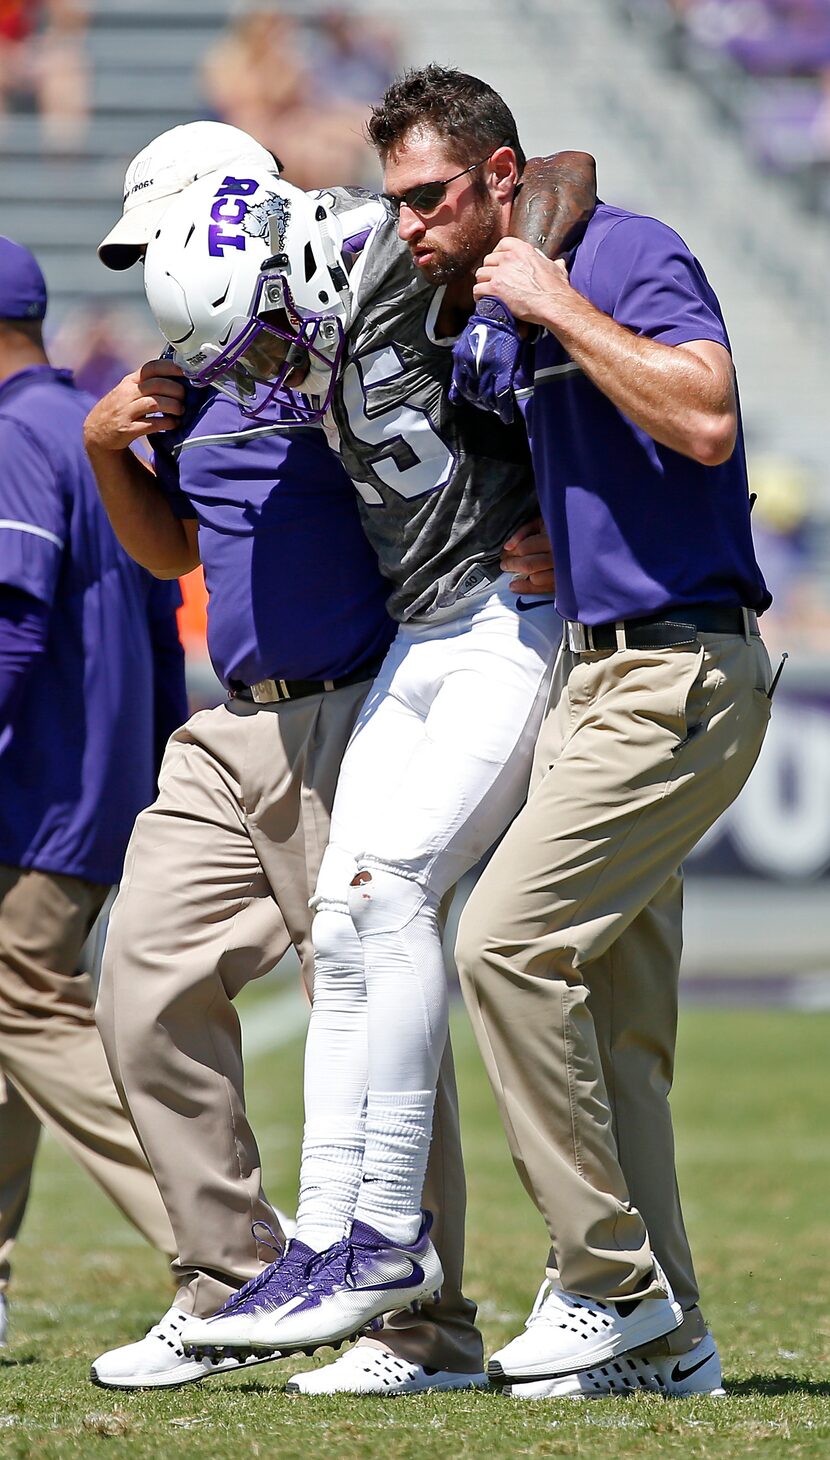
column 416, row 1275
column 679, row 1374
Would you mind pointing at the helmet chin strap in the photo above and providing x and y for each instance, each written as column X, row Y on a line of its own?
column 333, row 259
column 316, row 382
column 317, row 378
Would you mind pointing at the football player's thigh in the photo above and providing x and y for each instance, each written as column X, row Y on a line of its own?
column 488, row 694
column 468, row 769
column 377, row 764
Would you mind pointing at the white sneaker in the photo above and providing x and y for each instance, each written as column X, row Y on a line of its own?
column 567, row 1333
column 158, row 1361
column 4, row 1321
column 674, row 1376
column 365, row 1370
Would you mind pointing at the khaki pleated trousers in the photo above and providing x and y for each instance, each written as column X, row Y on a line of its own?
column 569, row 947
column 216, row 885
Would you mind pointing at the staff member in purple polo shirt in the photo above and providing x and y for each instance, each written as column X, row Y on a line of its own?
column 91, row 684
column 570, row 946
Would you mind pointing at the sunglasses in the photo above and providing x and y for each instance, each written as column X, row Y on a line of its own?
column 426, row 197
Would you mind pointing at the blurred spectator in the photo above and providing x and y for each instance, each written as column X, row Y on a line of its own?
column 765, row 37
column 767, row 63
column 785, row 533
column 43, row 65
column 253, row 75
column 100, row 345
column 351, row 57
column 302, row 89
column 18, row 19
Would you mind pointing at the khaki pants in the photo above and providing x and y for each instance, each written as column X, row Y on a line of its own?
column 52, row 1067
column 569, row 948
column 216, row 886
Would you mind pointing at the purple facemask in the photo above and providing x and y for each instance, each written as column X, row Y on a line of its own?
column 281, row 359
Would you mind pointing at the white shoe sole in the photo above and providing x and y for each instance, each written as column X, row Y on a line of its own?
column 370, row 1320
column 431, row 1384
column 189, row 1373
column 252, row 1348
column 513, row 1391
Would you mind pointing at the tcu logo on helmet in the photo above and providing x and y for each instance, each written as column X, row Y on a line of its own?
column 230, row 208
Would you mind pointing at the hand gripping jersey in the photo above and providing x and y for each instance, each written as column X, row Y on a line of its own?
column 441, row 486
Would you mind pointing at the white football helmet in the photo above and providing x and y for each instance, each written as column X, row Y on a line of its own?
column 246, row 282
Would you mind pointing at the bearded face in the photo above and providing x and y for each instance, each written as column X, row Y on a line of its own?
column 449, row 237
column 449, row 252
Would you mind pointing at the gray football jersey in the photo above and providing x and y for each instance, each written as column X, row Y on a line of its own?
column 441, row 487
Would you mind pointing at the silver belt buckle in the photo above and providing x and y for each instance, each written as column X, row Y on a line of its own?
column 576, row 637
column 269, row 691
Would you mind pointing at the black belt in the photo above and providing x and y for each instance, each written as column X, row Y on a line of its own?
column 661, row 632
column 275, row 691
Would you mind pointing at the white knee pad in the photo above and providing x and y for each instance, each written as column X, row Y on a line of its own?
column 381, row 901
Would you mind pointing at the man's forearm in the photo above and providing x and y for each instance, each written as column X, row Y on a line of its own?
column 554, row 201
column 681, row 395
column 145, row 402
column 141, row 518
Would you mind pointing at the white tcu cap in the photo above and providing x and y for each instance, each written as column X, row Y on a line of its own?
column 163, row 168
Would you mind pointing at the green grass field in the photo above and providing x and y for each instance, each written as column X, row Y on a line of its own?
column 752, row 1110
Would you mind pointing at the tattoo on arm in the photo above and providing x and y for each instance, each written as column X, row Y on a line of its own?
column 554, row 201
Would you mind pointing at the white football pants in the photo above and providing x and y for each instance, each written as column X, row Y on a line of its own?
column 436, row 769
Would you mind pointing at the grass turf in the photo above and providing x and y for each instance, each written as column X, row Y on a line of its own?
column 751, row 1107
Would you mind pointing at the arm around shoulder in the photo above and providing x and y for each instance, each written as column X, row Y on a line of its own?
column 681, row 393
column 554, row 201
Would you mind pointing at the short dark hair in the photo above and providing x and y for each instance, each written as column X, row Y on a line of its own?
column 31, row 328
column 457, row 107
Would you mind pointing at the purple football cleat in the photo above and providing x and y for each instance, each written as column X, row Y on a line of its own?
column 343, row 1292
column 270, row 1289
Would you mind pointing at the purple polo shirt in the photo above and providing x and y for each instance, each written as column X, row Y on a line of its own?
column 294, row 588
column 636, row 528
column 77, row 759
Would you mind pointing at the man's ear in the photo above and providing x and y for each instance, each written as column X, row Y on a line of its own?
column 503, row 174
